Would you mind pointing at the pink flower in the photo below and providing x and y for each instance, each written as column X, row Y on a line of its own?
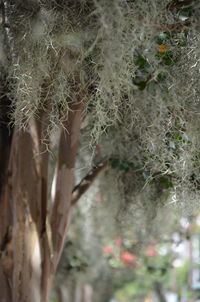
column 151, row 251
column 107, row 250
column 128, row 258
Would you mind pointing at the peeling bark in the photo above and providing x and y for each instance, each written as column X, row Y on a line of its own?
column 27, row 193
column 26, row 200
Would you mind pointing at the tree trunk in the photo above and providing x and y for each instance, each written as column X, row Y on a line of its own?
column 31, row 242
column 32, row 233
column 25, row 196
column 159, row 291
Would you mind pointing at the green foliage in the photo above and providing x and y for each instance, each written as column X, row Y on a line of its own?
column 149, row 271
column 166, row 182
column 75, row 260
column 182, row 274
column 121, row 165
column 167, row 58
column 161, row 77
column 132, row 290
column 142, row 63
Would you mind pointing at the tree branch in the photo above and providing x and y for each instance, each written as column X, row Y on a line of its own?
column 178, row 26
column 68, row 146
column 176, row 5
column 86, row 182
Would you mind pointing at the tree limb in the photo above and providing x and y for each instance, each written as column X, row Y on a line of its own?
column 178, row 26
column 86, row 182
column 176, row 5
column 68, row 146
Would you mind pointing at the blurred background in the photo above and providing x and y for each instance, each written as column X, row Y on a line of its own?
column 157, row 260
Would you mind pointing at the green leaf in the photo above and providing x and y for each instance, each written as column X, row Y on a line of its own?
column 120, row 165
column 165, row 182
column 142, row 63
column 141, row 85
column 168, row 58
column 161, row 77
column 114, row 162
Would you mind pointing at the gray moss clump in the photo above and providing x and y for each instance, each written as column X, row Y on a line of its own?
column 138, row 62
